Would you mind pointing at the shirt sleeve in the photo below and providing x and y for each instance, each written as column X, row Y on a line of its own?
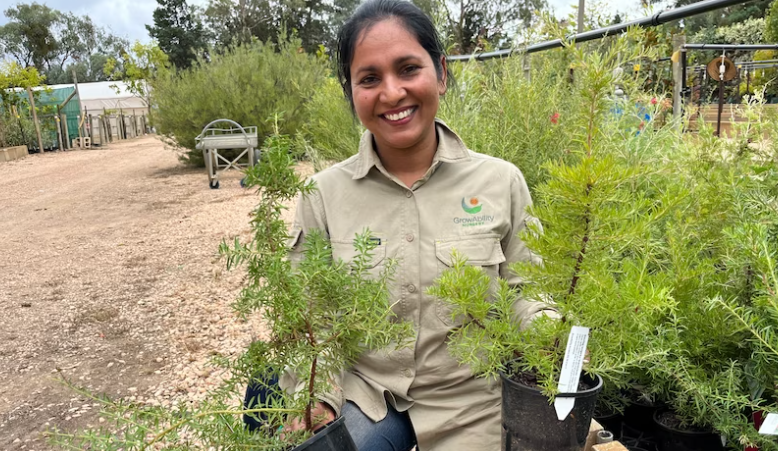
column 516, row 250
column 310, row 215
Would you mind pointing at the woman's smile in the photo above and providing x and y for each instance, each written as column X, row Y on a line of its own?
column 399, row 116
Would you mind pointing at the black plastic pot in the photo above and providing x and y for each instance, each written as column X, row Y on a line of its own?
column 529, row 422
column 611, row 422
column 640, row 415
column 333, row 437
column 670, row 439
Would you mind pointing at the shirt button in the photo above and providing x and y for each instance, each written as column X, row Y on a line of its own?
column 409, row 237
column 407, row 372
column 411, row 288
column 408, row 194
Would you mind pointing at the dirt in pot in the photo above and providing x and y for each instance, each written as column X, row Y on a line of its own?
column 530, row 379
column 671, row 420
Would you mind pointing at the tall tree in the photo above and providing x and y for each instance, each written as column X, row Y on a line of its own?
column 313, row 21
column 28, row 36
column 237, row 21
column 179, row 31
column 725, row 16
column 471, row 24
column 76, row 38
column 57, row 43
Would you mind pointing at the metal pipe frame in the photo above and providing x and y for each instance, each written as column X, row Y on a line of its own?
column 731, row 46
column 649, row 21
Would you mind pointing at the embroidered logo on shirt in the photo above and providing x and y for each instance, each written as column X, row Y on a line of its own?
column 471, row 205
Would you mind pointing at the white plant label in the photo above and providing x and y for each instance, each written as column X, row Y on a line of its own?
column 770, row 425
column 571, row 370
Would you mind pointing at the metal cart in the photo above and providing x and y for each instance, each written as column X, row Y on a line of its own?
column 223, row 134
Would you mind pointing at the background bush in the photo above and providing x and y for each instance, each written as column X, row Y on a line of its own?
column 332, row 131
column 498, row 111
column 249, row 84
column 16, row 131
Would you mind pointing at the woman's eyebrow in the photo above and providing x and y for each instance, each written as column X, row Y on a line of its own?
column 398, row 61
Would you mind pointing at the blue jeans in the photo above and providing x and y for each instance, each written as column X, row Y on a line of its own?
column 393, row 433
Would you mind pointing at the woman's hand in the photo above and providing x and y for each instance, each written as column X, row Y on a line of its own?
column 322, row 414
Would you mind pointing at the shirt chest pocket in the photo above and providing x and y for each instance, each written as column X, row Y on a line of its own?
column 344, row 250
column 483, row 251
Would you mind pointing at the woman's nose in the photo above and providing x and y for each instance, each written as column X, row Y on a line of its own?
column 393, row 91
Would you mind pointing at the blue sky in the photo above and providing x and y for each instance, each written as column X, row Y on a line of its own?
column 127, row 18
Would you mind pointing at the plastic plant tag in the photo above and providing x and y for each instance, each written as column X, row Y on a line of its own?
column 571, row 370
column 770, row 425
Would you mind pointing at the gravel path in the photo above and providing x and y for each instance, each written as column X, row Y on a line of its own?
column 109, row 274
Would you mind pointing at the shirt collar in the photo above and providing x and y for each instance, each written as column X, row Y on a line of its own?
column 451, row 149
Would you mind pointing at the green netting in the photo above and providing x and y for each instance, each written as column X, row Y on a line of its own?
column 70, row 110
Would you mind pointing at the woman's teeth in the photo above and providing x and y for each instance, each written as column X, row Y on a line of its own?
column 399, row 116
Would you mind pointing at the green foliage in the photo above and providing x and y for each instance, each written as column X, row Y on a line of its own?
column 749, row 31
column 28, row 35
column 725, row 16
column 16, row 127
column 12, row 75
column 248, row 84
column 601, row 210
column 472, row 26
column 498, row 111
column 645, row 235
column 137, row 67
column 56, row 43
column 16, row 131
column 332, row 132
column 315, row 22
column 321, row 314
column 179, row 31
column 771, row 24
column 762, row 81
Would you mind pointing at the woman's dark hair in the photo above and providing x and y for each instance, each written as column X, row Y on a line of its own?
column 370, row 13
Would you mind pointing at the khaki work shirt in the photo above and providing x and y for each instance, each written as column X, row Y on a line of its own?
column 466, row 201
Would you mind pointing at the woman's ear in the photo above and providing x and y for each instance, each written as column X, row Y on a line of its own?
column 444, row 75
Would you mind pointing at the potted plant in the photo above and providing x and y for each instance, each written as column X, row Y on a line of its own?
column 601, row 212
column 719, row 255
column 321, row 316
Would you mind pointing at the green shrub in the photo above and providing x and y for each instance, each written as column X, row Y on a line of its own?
column 17, row 132
column 249, row 84
column 332, row 132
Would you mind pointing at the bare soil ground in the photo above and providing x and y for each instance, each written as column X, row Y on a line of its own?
column 109, row 277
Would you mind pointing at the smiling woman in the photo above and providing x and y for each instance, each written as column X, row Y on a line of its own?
column 424, row 195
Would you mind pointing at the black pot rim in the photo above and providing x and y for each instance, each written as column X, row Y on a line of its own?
column 320, row 434
column 678, row 431
column 581, row 394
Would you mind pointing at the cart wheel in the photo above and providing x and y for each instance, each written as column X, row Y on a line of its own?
column 214, row 184
column 243, row 182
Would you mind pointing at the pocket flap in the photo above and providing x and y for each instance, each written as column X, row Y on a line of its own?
column 479, row 250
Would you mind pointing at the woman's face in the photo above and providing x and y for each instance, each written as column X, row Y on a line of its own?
column 395, row 87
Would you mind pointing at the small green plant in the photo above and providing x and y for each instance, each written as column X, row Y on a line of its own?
column 601, row 209
column 721, row 246
column 321, row 316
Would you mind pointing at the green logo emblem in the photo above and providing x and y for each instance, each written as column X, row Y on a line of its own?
column 471, row 205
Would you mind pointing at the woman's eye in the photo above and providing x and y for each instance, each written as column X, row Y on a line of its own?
column 410, row 69
column 368, row 80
